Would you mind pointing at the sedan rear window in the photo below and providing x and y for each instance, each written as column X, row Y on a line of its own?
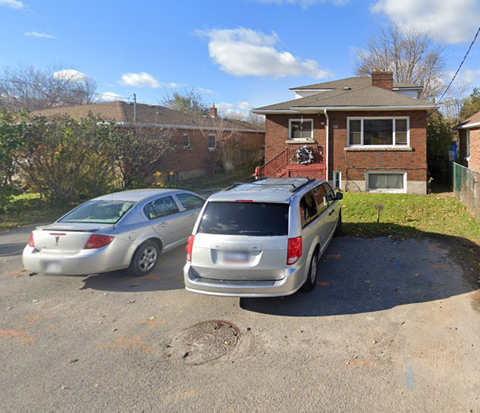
column 98, row 212
column 245, row 218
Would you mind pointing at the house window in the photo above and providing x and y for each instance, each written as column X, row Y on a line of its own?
column 212, row 142
column 300, row 129
column 394, row 182
column 186, row 141
column 378, row 131
column 337, row 179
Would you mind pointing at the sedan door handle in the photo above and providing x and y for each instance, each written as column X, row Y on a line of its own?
column 331, row 212
column 162, row 224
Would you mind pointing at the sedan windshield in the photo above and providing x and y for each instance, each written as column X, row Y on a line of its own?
column 98, row 212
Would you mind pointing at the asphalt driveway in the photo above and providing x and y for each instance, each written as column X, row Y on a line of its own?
column 392, row 326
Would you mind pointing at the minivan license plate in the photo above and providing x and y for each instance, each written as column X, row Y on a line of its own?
column 235, row 257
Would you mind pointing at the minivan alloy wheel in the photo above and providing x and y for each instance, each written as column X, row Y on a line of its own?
column 311, row 280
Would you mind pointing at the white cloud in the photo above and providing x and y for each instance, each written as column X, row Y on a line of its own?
column 40, row 35
column 304, row 3
column 140, row 80
column 69, row 74
column 450, row 21
column 245, row 52
column 144, row 79
column 14, row 4
column 109, row 97
column 230, row 108
column 466, row 76
column 204, row 91
column 472, row 76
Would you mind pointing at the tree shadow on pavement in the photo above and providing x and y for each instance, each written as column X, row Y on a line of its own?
column 361, row 275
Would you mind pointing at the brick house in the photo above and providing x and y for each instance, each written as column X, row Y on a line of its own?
column 469, row 137
column 201, row 144
column 362, row 134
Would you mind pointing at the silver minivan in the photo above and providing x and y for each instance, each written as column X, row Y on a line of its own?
column 263, row 238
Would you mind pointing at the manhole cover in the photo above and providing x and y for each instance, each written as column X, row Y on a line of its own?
column 204, row 342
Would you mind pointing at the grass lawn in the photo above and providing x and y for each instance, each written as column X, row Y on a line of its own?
column 29, row 209
column 407, row 216
column 437, row 216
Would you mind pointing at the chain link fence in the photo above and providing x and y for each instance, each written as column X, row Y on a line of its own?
column 466, row 184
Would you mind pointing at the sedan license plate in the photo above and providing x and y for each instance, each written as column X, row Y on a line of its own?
column 52, row 267
column 235, row 257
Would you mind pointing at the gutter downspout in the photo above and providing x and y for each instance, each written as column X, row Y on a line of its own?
column 327, row 128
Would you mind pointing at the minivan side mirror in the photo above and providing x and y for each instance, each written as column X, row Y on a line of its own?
column 338, row 196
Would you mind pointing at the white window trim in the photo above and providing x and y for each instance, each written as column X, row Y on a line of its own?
column 339, row 174
column 290, row 129
column 407, row 118
column 386, row 191
column 210, row 148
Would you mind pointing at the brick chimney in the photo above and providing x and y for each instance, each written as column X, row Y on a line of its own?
column 213, row 111
column 383, row 79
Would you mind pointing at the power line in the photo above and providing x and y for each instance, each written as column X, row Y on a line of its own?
column 459, row 67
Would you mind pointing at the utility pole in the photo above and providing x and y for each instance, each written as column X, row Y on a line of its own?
column 134, row 107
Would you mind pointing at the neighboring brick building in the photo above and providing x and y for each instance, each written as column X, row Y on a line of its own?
column 201, row 144
column 364, row 134
column 469, row 135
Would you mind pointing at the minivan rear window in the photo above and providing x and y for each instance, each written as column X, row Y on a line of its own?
column 245, row 218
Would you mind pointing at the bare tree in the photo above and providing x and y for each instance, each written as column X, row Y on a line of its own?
column 188, row 101
column 29, row 88
column 412, row 55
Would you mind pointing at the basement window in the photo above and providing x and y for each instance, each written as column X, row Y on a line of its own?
column 390, row 182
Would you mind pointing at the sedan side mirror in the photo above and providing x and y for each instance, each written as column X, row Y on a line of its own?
column 338, row 196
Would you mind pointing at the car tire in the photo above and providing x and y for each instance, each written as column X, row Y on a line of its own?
column 338, row 228
column 311, row 280
column 145, row 259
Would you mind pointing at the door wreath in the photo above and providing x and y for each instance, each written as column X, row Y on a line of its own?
column 304, row 155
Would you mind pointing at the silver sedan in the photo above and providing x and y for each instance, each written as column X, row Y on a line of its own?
column 127, row 229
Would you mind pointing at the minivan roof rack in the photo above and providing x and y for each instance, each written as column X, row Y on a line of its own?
column 296, row 188
column 278, row 184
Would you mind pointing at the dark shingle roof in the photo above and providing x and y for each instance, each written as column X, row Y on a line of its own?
column 471, row 122
column 352, row 82
column 123, row 112
column 360, row 97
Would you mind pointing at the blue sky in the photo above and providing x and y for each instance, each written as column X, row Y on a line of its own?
column 239, row 53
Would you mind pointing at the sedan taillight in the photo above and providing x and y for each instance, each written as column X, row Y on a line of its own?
column 97, row 241
column 294, row 250
column 189, row 247
column 31, row 242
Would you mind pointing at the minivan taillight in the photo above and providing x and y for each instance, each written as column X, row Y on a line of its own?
column 31, row 243
column 294, row 250
column 97, row 241
column 189, row 247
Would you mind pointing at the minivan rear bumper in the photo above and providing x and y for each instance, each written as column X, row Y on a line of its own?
column 291, row 283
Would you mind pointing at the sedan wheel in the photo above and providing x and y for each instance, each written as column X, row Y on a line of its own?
column 144, row 259
column 312, row 274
